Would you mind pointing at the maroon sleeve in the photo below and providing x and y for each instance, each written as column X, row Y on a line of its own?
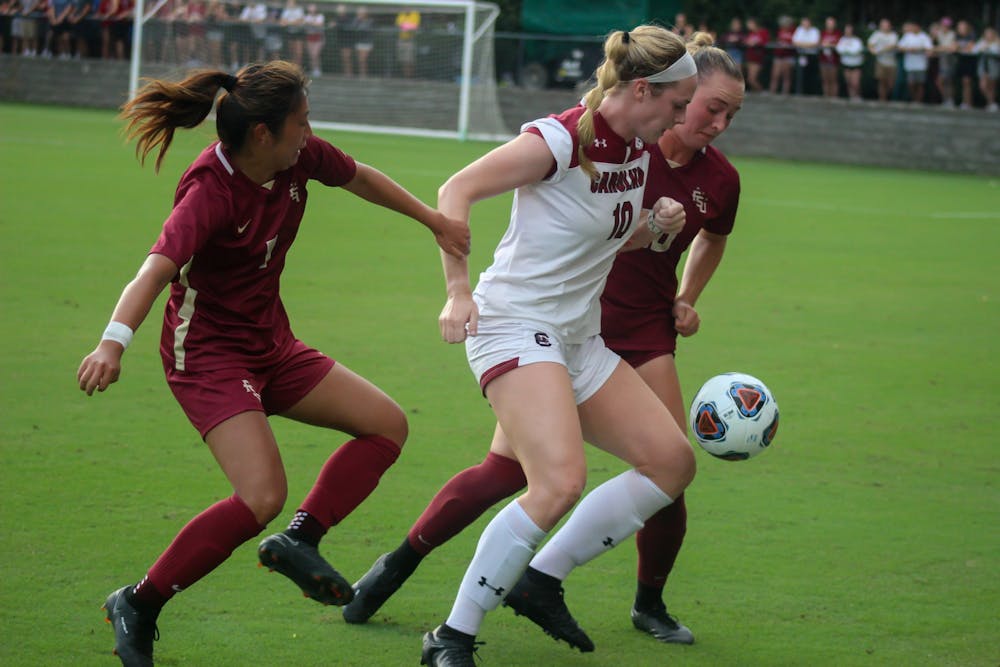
column 729, row 196
column 326, row 163
column 201, row 207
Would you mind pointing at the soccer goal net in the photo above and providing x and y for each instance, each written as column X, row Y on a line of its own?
column 420, row 68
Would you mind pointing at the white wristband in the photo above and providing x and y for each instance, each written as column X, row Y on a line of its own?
column 653, row 227
column 118, row 332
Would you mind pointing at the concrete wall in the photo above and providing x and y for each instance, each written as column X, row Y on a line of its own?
column 813, row 129
column 797, row 128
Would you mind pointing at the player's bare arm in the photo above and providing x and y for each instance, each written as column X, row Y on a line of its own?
column 523, row 160
column 451, row 234
column 102, row 367
column 703, row 259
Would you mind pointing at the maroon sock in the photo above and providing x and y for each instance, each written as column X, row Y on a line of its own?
column 202, row 545
column 348, row 477
column 464, row 498
column 659, row 542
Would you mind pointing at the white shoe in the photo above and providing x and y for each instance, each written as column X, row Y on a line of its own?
column 993, row 107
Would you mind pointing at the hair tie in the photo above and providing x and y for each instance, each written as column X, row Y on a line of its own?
column 229, row 82
column 626, row 37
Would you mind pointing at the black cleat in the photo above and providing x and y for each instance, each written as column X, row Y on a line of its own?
column 373, row 589
column 135, row 631
column 444, row 647
column 301, row 562
column 544, row 606
column 661, row 625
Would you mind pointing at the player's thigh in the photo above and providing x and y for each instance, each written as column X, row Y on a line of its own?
column 627, row 419
column 245, row 448
column 660, row 374
column 345, row 401
column 500, row 445
column 538, row 422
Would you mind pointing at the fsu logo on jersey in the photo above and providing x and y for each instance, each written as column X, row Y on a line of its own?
column 700, row 200
column 293, row 191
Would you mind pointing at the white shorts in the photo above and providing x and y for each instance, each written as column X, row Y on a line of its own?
column 502, row 345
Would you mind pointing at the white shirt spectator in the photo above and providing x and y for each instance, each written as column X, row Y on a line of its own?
column 915, row 46
column 254, row 13
column 806, row 39
column 851, row 50
column 883, row 45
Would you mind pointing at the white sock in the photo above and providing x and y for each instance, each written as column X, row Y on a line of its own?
column 606, row 516
column 503, row 552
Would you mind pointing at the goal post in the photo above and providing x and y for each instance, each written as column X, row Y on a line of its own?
column 387, row 66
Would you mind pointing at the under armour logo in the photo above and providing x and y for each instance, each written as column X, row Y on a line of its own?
column 542, row 339
column 608, row 542
column 600, row 143
column 293, row 191
column 250, row 389
column 700, row 200
column 496, row 591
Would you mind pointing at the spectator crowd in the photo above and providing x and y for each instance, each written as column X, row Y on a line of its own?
column 946, row 63
column 951, row 63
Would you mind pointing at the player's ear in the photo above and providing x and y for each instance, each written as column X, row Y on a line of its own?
column 261, row 134
column 639, row 89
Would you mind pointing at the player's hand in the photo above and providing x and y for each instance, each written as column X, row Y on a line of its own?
column 453, row 236
column 667, row 215
column 101, row 367
column 686, row 319
column 459, row 318
column 640, row 238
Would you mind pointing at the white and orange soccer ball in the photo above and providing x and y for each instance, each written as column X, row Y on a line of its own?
column 734, row 416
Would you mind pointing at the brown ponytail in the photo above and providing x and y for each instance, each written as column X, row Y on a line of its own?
column 257, row 94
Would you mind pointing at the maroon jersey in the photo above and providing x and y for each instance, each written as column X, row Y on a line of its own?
column 785, row 47
column 828, row 47
column 639, row 296
column 756, row 43
column 230, row 237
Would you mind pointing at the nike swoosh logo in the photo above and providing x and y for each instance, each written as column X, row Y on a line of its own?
column 240, row 230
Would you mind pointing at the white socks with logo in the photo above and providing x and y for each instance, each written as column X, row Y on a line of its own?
column 503, row 552
column 606, row 516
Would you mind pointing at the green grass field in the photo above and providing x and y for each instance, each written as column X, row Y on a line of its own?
column 868, row 299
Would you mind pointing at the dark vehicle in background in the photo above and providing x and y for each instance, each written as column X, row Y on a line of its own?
column 561, row 41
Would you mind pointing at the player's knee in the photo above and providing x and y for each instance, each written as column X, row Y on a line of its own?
column 673, row 464
column 267, row 503
column 556, row 495
column 395, row 426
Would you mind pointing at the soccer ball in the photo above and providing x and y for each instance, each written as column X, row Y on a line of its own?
column 734, row 416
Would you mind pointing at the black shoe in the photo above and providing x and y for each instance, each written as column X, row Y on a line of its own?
column 301, row 562
column 661, row 625
column 373, row 589
column 544, row 605
column 135, row 631
column 444, row 647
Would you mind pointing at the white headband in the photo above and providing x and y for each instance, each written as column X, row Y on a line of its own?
column 682, row 68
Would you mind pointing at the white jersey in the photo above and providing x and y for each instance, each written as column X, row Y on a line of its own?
column 551, row 265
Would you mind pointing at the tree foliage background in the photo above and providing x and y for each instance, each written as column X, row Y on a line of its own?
column 716, row 13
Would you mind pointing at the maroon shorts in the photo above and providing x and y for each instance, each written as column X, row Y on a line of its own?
column 636, row 358
column 638, row 336
column 208, row 398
